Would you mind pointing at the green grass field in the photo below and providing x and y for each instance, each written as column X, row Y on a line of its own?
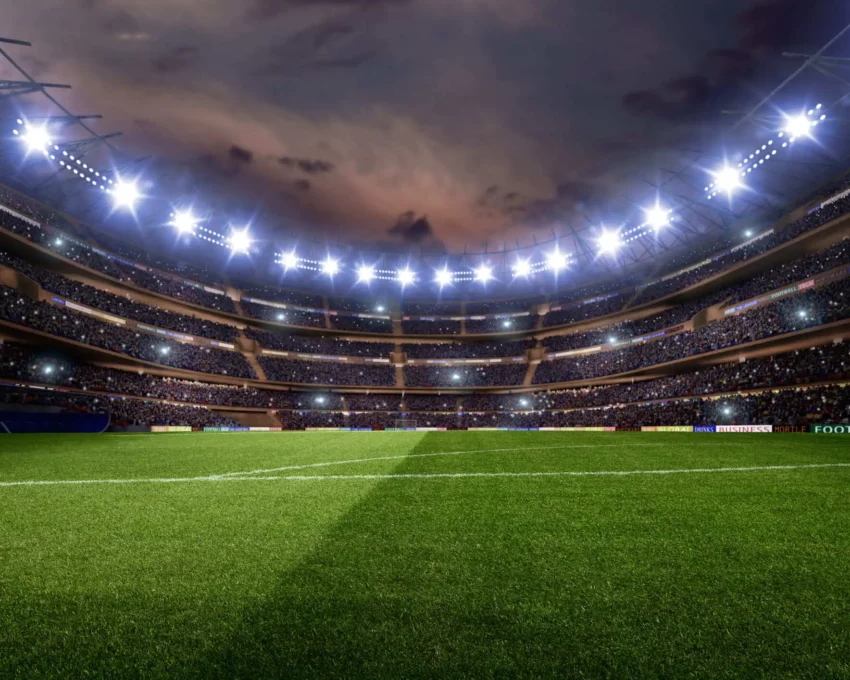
column 389, row 558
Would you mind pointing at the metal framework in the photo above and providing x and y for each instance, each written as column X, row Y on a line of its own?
column 677, row 179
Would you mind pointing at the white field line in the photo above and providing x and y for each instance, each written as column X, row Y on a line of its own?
column 436, row 475
column 307, row 466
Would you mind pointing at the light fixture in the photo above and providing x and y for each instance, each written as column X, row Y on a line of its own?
column 657, row 217
column 281, row 317
column 365, row 274
column 125, row 194
column 164, row 350
column 456, row 376
column 748, row 233
column 523, row 402
column 379, row 309
column 330, row 266
column 612, row 340
column 289, row 260
column 522, row 268
column 727, row 411
column 36, row 138
column 483, row 273
column 405, row 276
column 556, row 260
column 797, row 126
column 239, row 241
column 184, row 221
column 727, row 179
column 443, row 277
column 609, row 242
column 506, row 323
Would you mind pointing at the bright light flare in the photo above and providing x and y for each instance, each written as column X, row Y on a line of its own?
column 365, row 274
column 289, row 260
column 609, row 242
column 184, row 222
column 657, row 217
column 483, row 273
column 330, row 266
column 36, row 138
column 522, row 268
column 556, row 260
column 443, row 277
column 239, row 241
column 797, row 126
column 405, row 276
column 727, row 179
column 125, row 194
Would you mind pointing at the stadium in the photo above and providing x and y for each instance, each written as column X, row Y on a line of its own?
column 609, row 438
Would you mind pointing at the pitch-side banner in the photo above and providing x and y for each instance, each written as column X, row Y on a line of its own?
column 667, row 428
column 745, row 428
column 830, row 429
column 170, row 428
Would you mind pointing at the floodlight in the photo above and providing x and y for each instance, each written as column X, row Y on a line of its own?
column 609, row 242
column 365, row 274
column 612, row 340
column 281, row 317
column 289, row 260
column 483, row 273
column 556, row 260
column 748, row 233
column 802, row 314
column 164, row 350
column 727, row 179
column 125, row 194
column 657, row 217
column 455, row 376
column 239, row 241
column 330, row 266
column 405, row 276
column 506, row 323
column 379, row 309
column 797, row 126
column 727, row 411
column 443, row 277
column 48, row 370
column 36, row 138
column 184, row 221
column 58, row 242
column 523, row 402
column 522, row 268
column 320, row 400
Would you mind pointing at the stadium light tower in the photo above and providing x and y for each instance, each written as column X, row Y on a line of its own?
column 365, row 274
column 330, row 266
column 184, row 222
column 289, row 260
column 556, row 260
column 36, row 138
column 239, row 241
column 483, row 273
column 727, row 179
column 125, row 194
column 405, row 276
column 657, row 217
column 522, row 268
column 609, row 242
column 443, row 277
column 797, row 126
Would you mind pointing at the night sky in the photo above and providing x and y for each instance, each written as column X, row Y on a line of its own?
column 427, row 122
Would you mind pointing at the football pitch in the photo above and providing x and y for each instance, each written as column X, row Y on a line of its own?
column 475, row 554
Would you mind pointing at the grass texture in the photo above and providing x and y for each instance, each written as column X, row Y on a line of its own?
column 227, row 566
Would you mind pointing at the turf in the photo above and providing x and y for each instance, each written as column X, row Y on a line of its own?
column 724, row 574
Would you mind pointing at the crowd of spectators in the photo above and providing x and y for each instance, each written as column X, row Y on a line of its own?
column 574, row 312
column 363, row 324
column 467, row 350
column 435, row 327
column 506, row 325
column 66, row 323
column 292, row 317
column 327, row 372
column 812, row 308
column 373, row 402
column 430, row 402
column 465, row 376
column 419, row 308
column 123, row 411
column 300, row 420
column 502, row 306
column 290, row 297
column 120, row 305
column 319, row 344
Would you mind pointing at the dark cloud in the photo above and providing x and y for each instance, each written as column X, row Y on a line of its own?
column 176, row 60
column 240, row 155
column 310, row 167
column 262, row 10
column 762, row 28
column 416, row 230
column 302, row 184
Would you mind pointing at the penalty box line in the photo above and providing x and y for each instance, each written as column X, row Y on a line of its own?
column 435, row 475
